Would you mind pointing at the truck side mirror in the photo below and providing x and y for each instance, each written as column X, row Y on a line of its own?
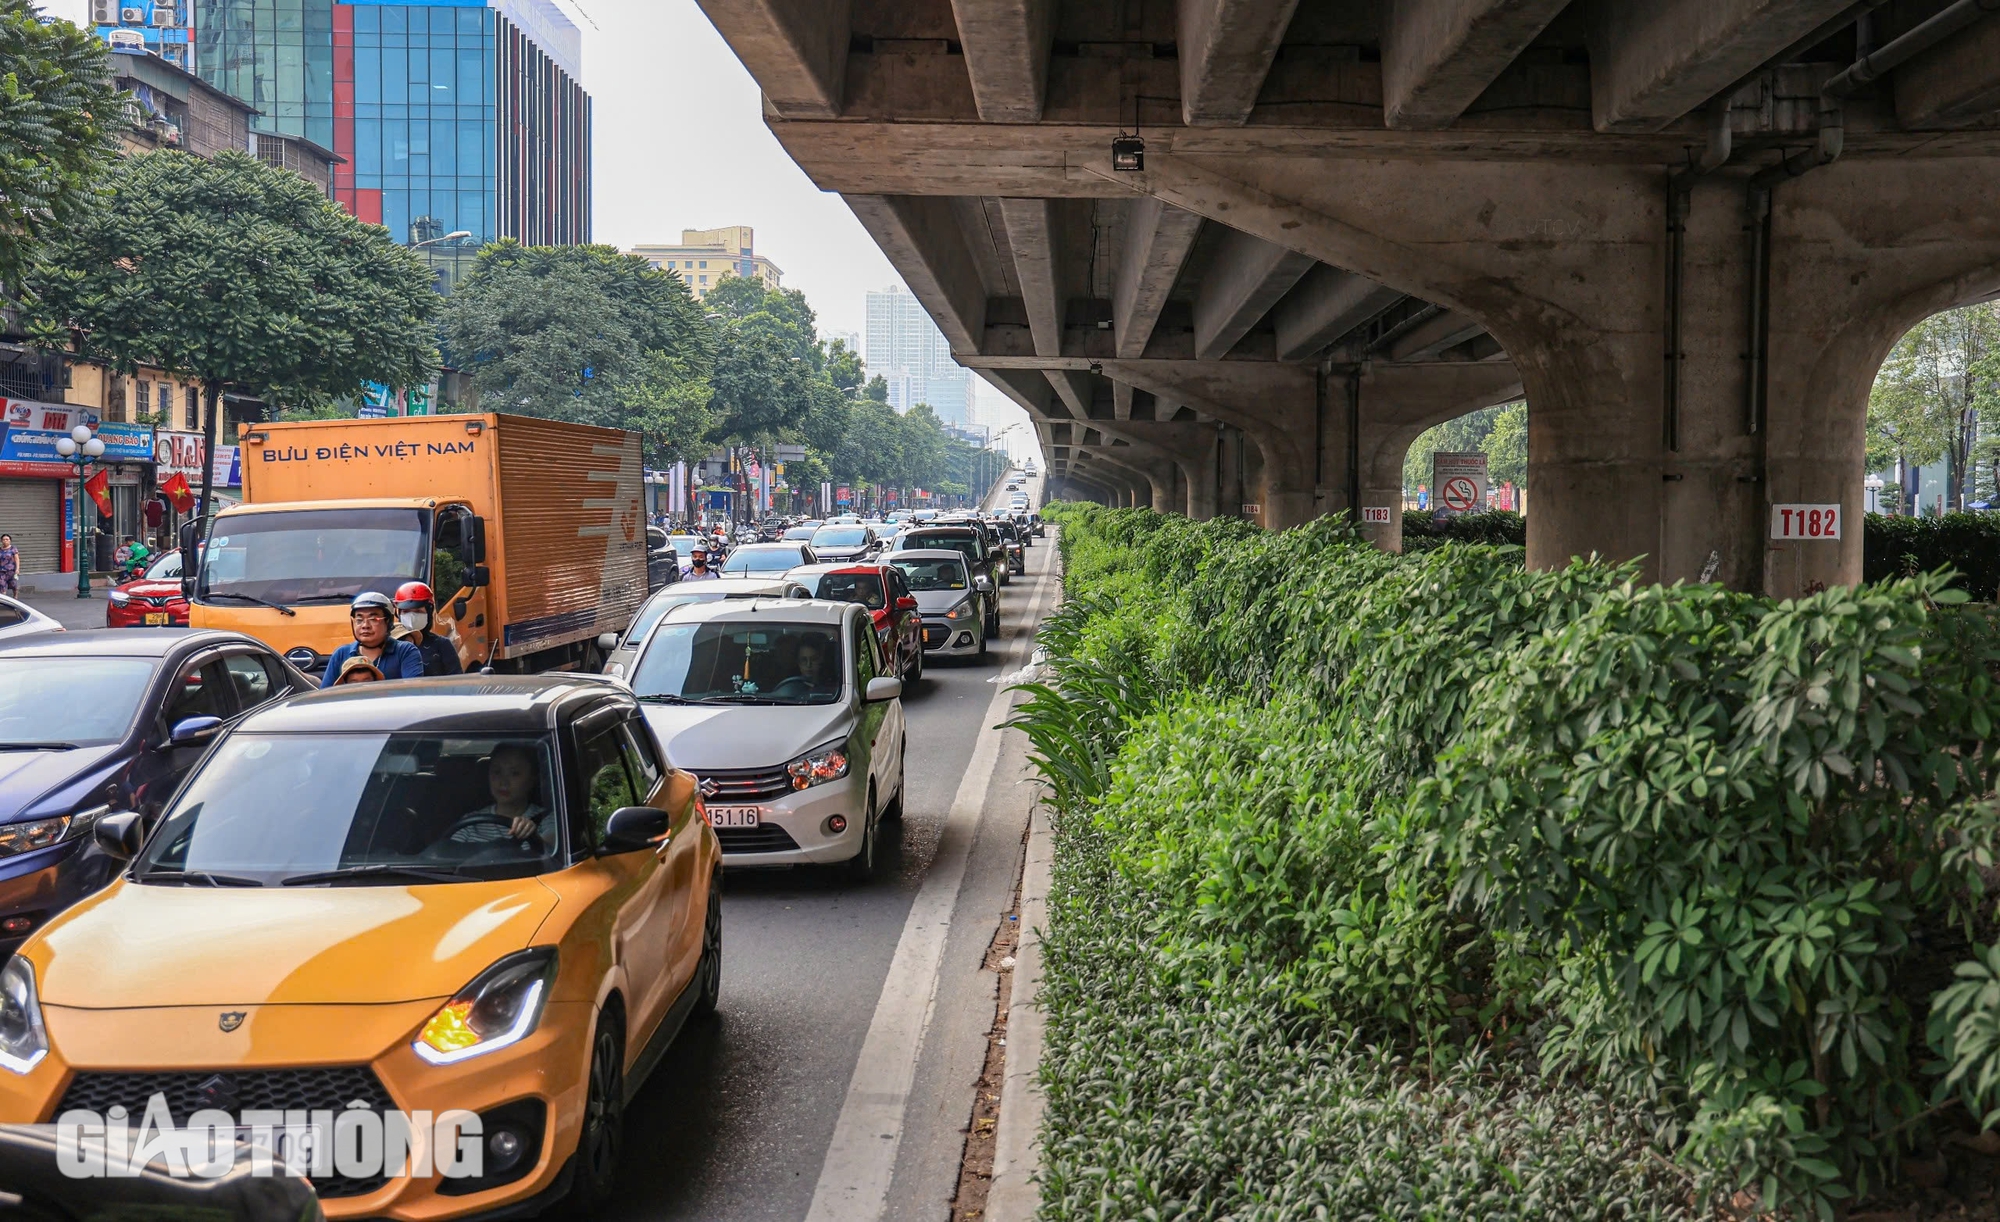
column 190, row 541
column 473, row 546
column 478, row 575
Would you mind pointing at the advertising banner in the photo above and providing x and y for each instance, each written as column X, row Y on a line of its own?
column 29, row 432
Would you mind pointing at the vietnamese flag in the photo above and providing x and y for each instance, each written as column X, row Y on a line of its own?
column 177, row 490
column 99, row 488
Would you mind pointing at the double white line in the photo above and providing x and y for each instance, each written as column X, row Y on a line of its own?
column 861, row 1160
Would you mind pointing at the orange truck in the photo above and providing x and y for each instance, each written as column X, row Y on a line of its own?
column 530, row 533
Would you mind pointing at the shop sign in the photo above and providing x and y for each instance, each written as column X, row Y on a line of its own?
column 29, row 432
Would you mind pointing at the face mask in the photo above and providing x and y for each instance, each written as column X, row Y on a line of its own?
column 414, row 620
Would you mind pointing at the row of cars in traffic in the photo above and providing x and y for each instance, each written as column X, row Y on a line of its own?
column 223, row 890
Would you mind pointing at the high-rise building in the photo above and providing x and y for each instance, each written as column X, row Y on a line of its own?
column 460, row 121
column 164, row 27
column 906, row 349
column 705, row 256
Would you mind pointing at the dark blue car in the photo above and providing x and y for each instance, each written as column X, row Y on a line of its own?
column 92, row 723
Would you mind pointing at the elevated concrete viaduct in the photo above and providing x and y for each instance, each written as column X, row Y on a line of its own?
column 1233, row 255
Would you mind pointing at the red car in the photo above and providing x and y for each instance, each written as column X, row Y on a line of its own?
column 881, row 589
column 151, row 601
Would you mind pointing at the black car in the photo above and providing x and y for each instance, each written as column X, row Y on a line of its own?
column 98, row 722
column 982, row 558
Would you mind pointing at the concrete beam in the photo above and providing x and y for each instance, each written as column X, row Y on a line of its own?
column 1652, row 63
column 1956, row 83
column 1432, row 336
column 1438, row 56
column 1226, row 48
column 795, row 49
column 1245, row 279
column 1031, row 233
column 1157, row 238
column 1073, row 389
column 1326, row 304
column 1121, row 400
column 1006, row 46
column 922, row 237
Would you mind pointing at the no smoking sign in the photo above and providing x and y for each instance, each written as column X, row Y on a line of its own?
column 1459, row 494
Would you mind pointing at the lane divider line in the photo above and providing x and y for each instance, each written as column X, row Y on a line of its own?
column 861, row 1159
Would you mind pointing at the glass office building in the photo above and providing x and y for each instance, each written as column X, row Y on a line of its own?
column 453, row 116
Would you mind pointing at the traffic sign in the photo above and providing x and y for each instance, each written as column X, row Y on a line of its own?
column 1375, row 515
column 1805, row 521
column 1460, row 480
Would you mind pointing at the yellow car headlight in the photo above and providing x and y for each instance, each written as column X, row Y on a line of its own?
column 500, row 1007
column 23, row 1040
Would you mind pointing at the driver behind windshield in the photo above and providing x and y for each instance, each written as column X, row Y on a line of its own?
column 816, row 668
column 514, row 779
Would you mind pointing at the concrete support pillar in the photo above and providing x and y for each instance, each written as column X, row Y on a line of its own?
column 1199, row 475
column 1567, row 265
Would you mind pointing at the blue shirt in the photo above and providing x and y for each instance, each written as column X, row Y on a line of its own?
column 399, row 660
column 440, row 655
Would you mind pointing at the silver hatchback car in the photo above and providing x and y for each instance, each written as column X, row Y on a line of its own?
column 620, row 648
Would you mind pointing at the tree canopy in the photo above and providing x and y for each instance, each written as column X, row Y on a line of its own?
column 59, row 115
column 1940, row 380
column 1500, row 432
column 589, row 335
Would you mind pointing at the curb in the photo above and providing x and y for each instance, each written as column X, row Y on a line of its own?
column 1015, row 1195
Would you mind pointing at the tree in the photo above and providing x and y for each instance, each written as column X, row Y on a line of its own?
column 59, row 116
column 238, row 275
column 1465, row 434
column 1928, row 399
column 1507, row 446
column 584, row 334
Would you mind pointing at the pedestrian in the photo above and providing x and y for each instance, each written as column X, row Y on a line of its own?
column 369, row 615
column 698, row 569
column 415, row 611
column 10, row 566
column 357, row 670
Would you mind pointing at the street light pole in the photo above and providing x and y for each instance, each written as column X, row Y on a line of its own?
column 80, row 447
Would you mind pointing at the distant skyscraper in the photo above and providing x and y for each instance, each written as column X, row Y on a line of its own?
column 452, row 117
column 907, row 350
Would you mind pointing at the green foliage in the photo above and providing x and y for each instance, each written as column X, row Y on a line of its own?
column 59, row 116
column 1968, row 543
column 1674, row 877
column 1939, row 381
column 588, row 335
column 1500, row 527
column 238, row 275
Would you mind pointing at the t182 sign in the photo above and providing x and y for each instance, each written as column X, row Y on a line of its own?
column 1805, row 521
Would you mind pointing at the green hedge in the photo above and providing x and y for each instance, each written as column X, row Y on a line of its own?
column 1392, row 886
column 1496, row 526
column 1967, row 542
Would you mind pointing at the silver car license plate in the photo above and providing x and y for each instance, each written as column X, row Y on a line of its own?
column 735, row 816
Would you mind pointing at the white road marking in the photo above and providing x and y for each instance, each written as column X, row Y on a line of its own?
column 861, row 1160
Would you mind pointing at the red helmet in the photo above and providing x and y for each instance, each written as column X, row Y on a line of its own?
column 413, row 594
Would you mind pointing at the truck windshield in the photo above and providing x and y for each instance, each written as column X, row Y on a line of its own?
column 314, row 555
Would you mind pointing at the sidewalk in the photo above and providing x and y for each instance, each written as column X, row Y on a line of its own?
column 72, row 612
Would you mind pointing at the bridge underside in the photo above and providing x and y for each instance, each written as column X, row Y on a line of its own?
column 1353, row 220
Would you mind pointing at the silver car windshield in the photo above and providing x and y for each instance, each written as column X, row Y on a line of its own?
column 768, row 661
column 926, row 575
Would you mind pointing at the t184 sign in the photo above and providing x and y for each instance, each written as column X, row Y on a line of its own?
column 1805, row 521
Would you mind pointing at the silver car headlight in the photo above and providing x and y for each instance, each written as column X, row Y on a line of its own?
column 819, row 765
column 961, row 611
column 23, row 1039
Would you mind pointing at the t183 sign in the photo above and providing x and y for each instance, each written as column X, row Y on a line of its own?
column 1805, row 521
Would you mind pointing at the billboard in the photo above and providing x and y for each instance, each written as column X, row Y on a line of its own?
column 29, row 432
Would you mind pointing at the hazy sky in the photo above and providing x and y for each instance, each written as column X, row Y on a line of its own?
column 681, row 144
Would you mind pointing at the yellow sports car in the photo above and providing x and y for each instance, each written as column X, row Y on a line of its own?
column 488, row 899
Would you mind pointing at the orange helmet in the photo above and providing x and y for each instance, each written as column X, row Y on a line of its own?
column 413, row 594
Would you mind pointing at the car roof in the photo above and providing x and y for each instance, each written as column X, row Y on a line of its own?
column 793, row 610
column 778, row 546
column 836, row 566
column 121, row 642
column 928, row 553
column 468, row 704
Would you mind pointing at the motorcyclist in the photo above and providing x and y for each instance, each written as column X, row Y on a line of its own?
column 698, row 569
column 415, row 611
column 370, row 615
